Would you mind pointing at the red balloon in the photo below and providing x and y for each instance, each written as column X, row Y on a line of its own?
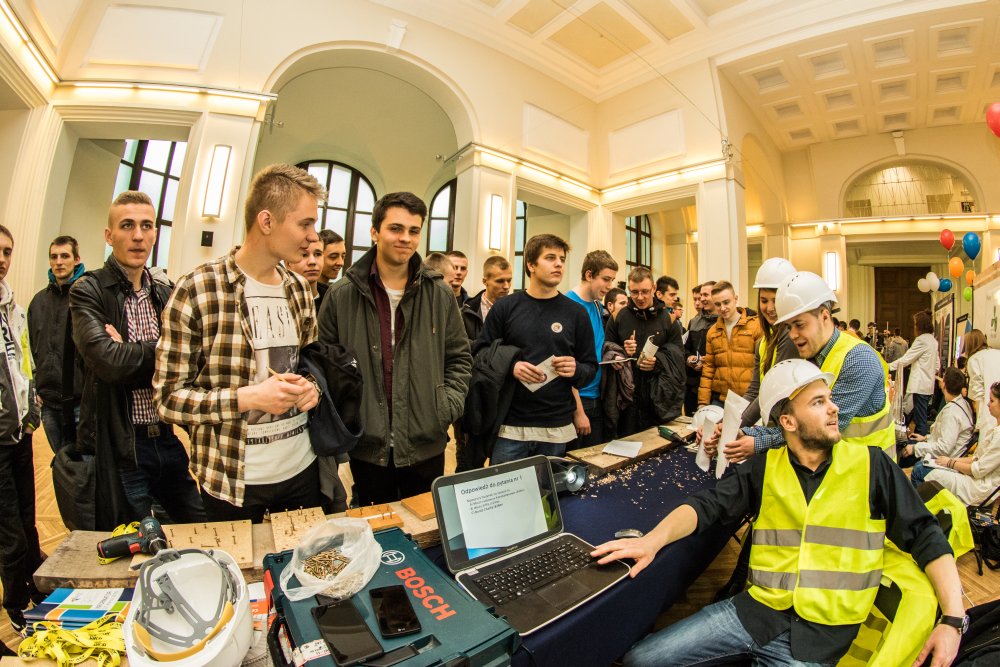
column 947, row 239
column 993, row 118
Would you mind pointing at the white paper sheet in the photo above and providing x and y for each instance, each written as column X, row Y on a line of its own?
column 550, row 375
column 649, row 350
column 627, row 448
column 732, row 416
column 929, row 460
column 705, row 418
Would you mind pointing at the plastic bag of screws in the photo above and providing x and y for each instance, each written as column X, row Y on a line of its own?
column 326, row 564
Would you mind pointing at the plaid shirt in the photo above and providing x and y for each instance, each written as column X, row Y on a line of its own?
column 204, row 355
column 142, row 325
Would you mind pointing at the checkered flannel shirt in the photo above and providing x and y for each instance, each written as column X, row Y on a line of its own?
column 140, row 315
column 204, row 355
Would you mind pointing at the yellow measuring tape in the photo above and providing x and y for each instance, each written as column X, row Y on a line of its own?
column 120, row 530
column 101, row 640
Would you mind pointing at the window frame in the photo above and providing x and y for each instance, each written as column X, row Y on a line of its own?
column 520, row 224
column 637, row 230
column 351, row 212
column 137, row 165
column 450, row 219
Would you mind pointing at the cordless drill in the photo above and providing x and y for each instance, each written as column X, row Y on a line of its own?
column 149, row 539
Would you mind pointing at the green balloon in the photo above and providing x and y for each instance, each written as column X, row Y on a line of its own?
column 967, row 294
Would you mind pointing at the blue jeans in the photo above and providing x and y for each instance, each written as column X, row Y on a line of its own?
column 919, row 473
column 162, row 475
column 714, row 633
column 505, row 450
column 921, row 402
column 52, row 421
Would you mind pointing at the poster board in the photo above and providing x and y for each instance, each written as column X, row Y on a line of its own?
column 944, row 326
column 986, row 304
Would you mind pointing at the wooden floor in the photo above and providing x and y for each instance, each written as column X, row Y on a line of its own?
column 51, row 532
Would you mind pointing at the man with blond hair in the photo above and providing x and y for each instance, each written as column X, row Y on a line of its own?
column 226, row 365
column 116, row 312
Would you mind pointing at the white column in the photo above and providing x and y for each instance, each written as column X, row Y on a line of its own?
column 722, row 235
column 477, row 183
column 834, row 241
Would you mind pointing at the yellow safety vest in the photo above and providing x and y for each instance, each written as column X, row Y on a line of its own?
column 823, row 558
column 877, row 430
column 761, row 351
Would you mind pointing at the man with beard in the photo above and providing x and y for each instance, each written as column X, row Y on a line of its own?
column 645, row 317
column 823, row 509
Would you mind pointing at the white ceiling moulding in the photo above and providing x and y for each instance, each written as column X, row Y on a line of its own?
column 12, row 25
column 983, row 220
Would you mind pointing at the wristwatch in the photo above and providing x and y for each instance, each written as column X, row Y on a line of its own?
column 960, row 623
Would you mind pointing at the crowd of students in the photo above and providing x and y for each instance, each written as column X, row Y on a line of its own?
column 120, row 355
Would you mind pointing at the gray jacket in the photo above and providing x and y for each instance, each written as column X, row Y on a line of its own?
column 431, row 363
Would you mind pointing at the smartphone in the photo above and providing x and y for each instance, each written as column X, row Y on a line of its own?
column 394, row 612
column 346, row 633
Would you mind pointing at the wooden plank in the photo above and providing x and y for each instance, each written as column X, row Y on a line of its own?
column 653, row 443
column 422, row 506
column 288, row 528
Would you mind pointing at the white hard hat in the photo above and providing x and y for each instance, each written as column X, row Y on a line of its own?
column 772, row 273
column 801, row 292
column 706, row 414
column 783, row 380
column 190, row 608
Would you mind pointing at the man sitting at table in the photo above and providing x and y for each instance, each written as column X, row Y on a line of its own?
column 823, row 510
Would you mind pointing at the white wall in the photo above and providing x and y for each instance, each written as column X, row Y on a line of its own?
column 88, row 194
column 12, row 124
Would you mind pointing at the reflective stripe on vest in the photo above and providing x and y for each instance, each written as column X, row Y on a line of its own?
column 877, row 430
column 823, row 558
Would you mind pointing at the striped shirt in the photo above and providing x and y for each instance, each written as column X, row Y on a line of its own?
column 205, row 354
column 859, row 391
column 142, row 325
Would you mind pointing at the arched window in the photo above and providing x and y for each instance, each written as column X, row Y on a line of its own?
column 908, row 187
column 441, row 225
column 153, row 167
column 349, row 204
column 638, row 242
column 520, row 236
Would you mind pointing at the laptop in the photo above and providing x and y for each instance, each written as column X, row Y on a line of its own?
column 502, row 534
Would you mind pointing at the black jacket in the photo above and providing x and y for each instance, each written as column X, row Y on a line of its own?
column 50, row 334
column 112, row 370
column 491, row 389
column 471, row 317
column 335, row 423
column 667, row 390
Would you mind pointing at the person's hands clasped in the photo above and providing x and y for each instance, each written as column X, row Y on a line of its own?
column 564, row 366
column 642, row 550
column 739, row 450
column 529, row 373
column 943, row 643
column 712, row 441
column 916, row 437
column 280, row 393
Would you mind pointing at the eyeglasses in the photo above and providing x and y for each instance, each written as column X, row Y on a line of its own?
column 639, row 292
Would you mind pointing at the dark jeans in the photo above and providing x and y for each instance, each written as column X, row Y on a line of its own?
column 302, row 490
column 162, row 476
column 691, row 400
column 594, row 410
column 467, row 455
column 506, row 450
column 52, row 421
column 20, row 554
column 375, row 484
column 921, row 402
column 919, row 473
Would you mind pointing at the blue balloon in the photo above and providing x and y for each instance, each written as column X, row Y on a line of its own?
column 945, row 285
column 971, row 244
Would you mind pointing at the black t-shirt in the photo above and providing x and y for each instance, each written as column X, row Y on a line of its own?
column 543, row 328
column 909, row 524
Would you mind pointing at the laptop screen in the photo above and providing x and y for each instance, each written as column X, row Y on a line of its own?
column 484, row 514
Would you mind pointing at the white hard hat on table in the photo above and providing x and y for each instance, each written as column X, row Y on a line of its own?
column 801, row 292
column 784, row 380
column 772, row 273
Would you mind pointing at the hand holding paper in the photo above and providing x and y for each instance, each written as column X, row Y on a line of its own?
column 732, row 416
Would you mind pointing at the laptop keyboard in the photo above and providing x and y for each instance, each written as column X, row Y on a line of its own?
column 515, row 580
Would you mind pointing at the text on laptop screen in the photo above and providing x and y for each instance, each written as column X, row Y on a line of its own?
column 485, row 515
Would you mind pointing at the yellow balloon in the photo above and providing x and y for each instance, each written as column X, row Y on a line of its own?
column 955, row 267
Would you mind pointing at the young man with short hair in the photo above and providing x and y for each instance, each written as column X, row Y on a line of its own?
column 310, row 267
column 729, row 348
column 20, row 553
column 666, row 291
column 645, row 317
column 227, row 363
column 58, row 380
column 334, row 255
column 694, row 344
column 557, row 355
column 951, row 431
column 596, row 277
column 412, row 351
column 460, row 263
column 614, row 301
column 438, row 261
column 117, row 315
column 924, row 362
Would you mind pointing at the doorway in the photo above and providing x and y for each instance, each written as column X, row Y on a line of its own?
column 897, row 297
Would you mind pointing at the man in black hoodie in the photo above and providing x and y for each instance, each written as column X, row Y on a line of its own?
column 643, row 318
column 57, row 379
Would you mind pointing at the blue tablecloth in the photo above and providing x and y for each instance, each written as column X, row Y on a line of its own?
column 637, row 496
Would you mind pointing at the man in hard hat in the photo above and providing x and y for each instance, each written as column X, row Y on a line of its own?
column 823, row 509
column 805, row 302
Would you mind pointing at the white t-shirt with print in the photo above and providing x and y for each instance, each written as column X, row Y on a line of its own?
column 277, row 446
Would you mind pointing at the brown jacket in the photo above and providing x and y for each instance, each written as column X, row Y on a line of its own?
column 728, row 364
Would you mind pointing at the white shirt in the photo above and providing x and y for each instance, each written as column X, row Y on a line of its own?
column 984, row 370
column 395, row 296
column 277, row 446
column 951, row 431
column 923, row 360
